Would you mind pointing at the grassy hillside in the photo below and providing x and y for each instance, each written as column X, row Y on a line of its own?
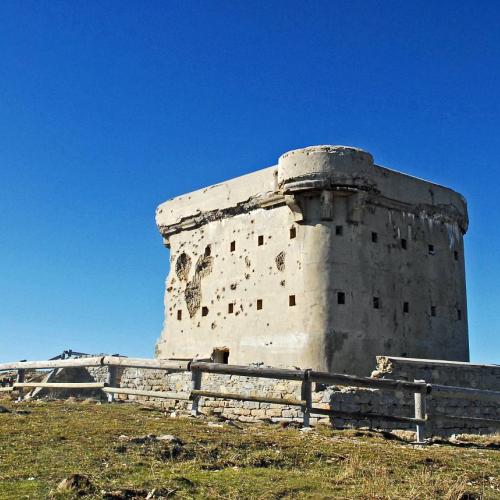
column 42, row 443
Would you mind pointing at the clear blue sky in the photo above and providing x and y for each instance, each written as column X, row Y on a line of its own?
column 108, row 108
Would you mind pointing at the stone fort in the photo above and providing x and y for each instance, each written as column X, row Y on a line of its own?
column 322, row 261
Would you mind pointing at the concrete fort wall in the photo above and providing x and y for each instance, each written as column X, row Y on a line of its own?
column 342, row 398
column 322, row 261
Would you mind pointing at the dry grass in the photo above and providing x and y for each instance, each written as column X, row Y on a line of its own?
column 52, row 440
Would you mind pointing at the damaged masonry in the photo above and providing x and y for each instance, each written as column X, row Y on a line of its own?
column 323, row 261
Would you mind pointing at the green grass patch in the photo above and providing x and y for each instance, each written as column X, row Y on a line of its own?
column 49, row 441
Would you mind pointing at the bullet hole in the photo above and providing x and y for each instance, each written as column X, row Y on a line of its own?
column 339, row 230
column 248, row 262
column 247, row 276
column 430, row 249
column 282, row 282
column 182, row 266
column 233, row 286
column 232, row 246
column 179, row 314
column 230, row 308
column 404, row 245
column 340, row 298
column 293, row 232
column 291, row 300
column 213, row 326
column 204, row 311
column 374, row 237
column 459, row 314
column 259, row 304
column 280, row 261
column 433, row 310
column 406, row 307
column 376, row 303
column 260, row 240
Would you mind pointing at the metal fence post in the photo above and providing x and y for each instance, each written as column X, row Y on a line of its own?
column 420, row 412
column 305, row 394
column 20, row 378
column 195, row 386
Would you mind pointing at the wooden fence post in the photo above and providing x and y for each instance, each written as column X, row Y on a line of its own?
column 195, row 386
column 420, row 412
column 305, row 394
column 20, row 378
column 111, row 380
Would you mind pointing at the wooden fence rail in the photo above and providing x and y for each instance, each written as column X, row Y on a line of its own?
column 419, row 388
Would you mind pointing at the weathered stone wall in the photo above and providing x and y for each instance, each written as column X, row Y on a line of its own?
column 341, row 398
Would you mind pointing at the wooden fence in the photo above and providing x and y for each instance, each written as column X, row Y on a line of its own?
column 419, row 388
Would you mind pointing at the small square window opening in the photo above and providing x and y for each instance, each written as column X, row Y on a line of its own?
column 339, row 230
column 459, row 314
column 260, row 240
column 291, row 300
column 376, row 303
column 230, row 308
column 374, row 237
column 340, row 298
column 259, row 304
column 179, row 314
column 406, row 307
column 404, row 244
column 293, row 232
column 204, row 311
column 455, row 255
column 431, row 249
column 232, row 247
column 221, row 356
column 433, row 310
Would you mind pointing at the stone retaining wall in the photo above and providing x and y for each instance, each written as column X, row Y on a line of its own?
column 348, row 399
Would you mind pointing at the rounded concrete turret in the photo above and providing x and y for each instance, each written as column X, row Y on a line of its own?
column 322, row 166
